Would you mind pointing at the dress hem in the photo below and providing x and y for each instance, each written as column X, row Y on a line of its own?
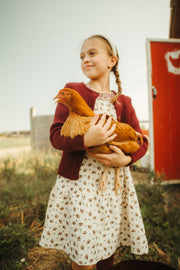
column 102, row 258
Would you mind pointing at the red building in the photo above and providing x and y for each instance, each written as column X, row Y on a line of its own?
column 163, row 64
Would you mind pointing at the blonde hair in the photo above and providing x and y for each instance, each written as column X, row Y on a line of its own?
column 111, row 50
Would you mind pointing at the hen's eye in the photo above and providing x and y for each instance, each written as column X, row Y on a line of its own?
column 62, row 93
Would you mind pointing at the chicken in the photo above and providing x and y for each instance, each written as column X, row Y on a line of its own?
column 78, row 123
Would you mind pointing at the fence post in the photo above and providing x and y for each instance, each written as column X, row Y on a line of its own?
column 32, row 115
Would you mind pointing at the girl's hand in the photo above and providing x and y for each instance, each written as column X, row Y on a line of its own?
column 100, row 131
column 116, row 159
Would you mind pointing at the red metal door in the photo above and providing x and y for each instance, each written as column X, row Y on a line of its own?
column 165, row 81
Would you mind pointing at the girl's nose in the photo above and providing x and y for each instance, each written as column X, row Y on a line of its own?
column 86, row 59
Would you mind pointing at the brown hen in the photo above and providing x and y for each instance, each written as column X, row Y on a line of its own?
column 78, row 123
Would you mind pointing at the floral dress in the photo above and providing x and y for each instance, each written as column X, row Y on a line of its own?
column 90, row 227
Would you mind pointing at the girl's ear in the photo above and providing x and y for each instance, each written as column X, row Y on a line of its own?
column 113, row 61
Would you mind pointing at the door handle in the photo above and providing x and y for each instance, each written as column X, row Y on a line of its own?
column 154, row 92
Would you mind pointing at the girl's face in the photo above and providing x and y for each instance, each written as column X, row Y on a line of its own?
column 95, row 60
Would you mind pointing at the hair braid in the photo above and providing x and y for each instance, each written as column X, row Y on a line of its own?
column 118, row 81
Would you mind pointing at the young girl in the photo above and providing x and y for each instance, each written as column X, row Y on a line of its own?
column 87, row 226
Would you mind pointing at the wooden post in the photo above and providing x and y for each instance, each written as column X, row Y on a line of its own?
column 174, row 31
column 32, row 115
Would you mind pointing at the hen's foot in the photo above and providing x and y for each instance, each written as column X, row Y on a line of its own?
column 103, row 181
column 117, row 182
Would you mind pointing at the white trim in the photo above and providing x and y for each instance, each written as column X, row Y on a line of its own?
column 170, row 182
column 151, row 129
column 170, row 40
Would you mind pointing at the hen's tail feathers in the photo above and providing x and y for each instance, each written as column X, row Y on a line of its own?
column 140, row 137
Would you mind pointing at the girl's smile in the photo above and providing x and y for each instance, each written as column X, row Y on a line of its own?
column 88, row 66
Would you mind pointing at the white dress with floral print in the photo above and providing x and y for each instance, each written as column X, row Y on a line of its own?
column 90, row 227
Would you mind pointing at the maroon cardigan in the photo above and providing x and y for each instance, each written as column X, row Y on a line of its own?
column 74, row 149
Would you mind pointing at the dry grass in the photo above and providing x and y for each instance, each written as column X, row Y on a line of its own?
column 14, row 142
column 44, row 259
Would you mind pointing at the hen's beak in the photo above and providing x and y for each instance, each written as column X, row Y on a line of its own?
column 57, row 98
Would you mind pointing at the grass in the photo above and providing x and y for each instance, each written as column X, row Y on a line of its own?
column 11, row 142
column 25, row 185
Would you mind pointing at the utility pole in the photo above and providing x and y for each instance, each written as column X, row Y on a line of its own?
column 174, row 31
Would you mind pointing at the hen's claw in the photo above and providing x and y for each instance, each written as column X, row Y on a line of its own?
column 117, row 182
column 103, row 181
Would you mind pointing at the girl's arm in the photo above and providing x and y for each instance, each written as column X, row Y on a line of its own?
column 118, row 158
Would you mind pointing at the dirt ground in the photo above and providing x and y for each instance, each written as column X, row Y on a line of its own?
column 139, row 177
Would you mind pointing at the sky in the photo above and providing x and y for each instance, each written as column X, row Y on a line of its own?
column 40, row 42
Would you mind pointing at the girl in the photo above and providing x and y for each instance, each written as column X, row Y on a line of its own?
column 87, row 226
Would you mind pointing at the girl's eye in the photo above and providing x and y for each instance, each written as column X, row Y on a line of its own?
column 92, row 53
column 81, row 57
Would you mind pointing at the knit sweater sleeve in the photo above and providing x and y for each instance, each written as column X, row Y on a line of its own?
column 58, row 141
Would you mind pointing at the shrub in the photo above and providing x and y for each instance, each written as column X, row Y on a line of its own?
column 8, row 169
column 44, row 165
column 14, row 243
column 161, row 214
column 25, row 184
